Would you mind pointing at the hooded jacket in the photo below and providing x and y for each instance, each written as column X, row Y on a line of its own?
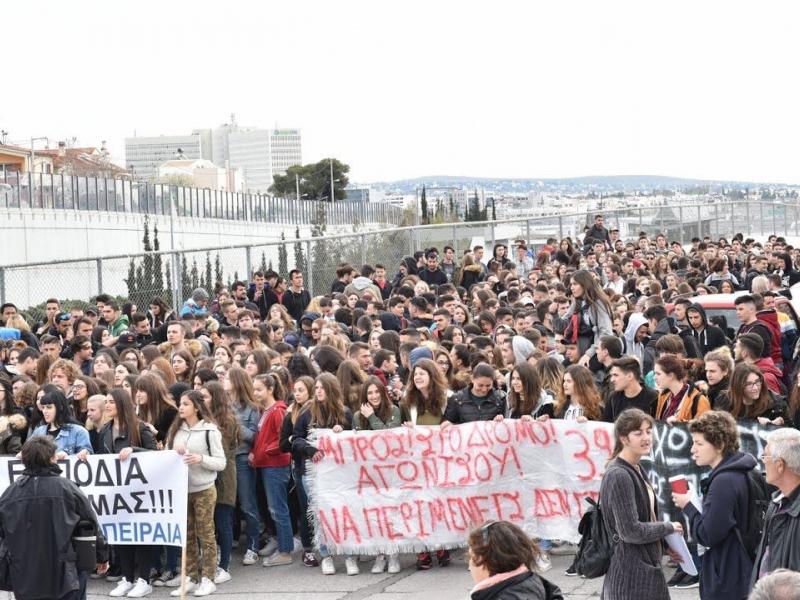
column 788, row 274
column 411, row 269
column 468, row 276
column 770, row 319
column 522, row 347
column 361, row 285
column 264, row 301
column 665, row 327
column 12, row 433
column 206, row 440
column 632, row 347
column 524, row 586
column 772, row 375
column 709, row 337
column 726, row 566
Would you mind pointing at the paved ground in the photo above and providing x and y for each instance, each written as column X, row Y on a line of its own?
column 297, row 582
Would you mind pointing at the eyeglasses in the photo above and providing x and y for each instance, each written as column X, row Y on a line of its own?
column 443, row 363
column 753, row 384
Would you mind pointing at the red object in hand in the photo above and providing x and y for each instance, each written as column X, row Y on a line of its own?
column 679, row 484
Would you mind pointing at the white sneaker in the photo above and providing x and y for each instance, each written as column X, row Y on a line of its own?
column 250, row 558
column 351, row 564
column 190, row 587
column 206, row 587
column 328, row 568
column 123, row 587
column 380, row 564
column 269, row 548
column 175, row 581
column 394, row 563
column 543, row 563
column 140, row 589
column 222, row 576
column 278, row 559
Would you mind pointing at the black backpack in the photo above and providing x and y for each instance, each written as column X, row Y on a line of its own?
column 758, row 499
column 597, row 546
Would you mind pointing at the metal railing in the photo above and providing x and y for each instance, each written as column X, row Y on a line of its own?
column 79, row 193
column 142, row 276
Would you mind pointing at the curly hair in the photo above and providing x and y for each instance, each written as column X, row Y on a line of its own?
column 718, row 428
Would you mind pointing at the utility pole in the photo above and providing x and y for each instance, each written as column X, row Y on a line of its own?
column 297, row 182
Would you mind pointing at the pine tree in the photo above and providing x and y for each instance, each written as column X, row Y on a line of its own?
column 217, row 270
column 185, row 282
column 140, row 287
column 147, row 274
column 168, row 279
column 158, row 270
column 423, row 207
column 494, row 213
column 208, row 284
column 269, row 266
column 263, row 267
column 195, row 275
column 299, row 258
column 452, row 206
column 131, row 279
column 283, row 258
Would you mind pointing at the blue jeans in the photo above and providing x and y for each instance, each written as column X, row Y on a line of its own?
column 304, row 525
column 173, row 554
column 276, row 483
column 223, row 521
column 246, row 492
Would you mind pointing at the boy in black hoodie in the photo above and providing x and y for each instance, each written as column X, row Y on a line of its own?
column 709, row 337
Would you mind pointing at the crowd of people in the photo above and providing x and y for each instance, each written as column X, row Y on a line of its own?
column 600, row 328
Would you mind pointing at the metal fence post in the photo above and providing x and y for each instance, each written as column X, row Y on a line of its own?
column 680, row 220
column 560, row 227
column 176, row 282
column 492, row 229
column 99, row 275
column 455, row 238
column 761, row 217
column 716, row 221
column 310, row 268
column 2, row 285
column 700, row 223
column 248, row 260
column 363, row 248
column 528, row 231
column 747, row 213
column 774, row 226
column 412, row 241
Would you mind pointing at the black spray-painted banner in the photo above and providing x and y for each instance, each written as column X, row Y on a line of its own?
column 141, row 500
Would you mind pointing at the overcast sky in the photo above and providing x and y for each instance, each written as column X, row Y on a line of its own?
column 404, row 89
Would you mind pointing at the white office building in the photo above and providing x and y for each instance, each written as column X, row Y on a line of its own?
column 143, row 155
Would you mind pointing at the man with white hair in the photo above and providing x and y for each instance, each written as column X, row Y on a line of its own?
column 781, row 584
column 780, row 541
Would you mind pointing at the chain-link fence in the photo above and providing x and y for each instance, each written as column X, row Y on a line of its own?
column 174, row 274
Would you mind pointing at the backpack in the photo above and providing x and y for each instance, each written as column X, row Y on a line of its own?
column 597, row 546
column 758, row 499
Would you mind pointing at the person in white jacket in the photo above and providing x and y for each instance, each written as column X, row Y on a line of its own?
column 194, row 435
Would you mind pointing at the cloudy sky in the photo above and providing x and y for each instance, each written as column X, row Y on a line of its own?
column 507, row 89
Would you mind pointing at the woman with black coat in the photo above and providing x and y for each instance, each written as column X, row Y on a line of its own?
column 124, row 434
column 726, row 564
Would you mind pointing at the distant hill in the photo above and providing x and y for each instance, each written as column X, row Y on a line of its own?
column 599, row 184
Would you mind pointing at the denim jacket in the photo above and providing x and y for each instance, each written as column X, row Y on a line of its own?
column 248, row 418
column 71, row 439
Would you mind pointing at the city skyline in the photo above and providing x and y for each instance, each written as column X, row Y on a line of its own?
column 547, row 91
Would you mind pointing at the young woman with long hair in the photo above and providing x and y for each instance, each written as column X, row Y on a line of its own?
column 718, row 367
column 478, row 402
column 351, row 380
column 629, row 510
column 377, row 411
column 82, row 389
column 257, row 362
column 183, row 366
column 248, row 413
column 302, row 391
column 59, row 423
column 581, row 400
column 589, row 316
column 194, row 436
column 273, row 464
column 154, row 405
column 124, row 434
column 551, row 374
column 326, row 410
column 162, row 366
column 527, row 399
column 216, row 401
column 750, row 398
column 159, row 313
column 425, row 399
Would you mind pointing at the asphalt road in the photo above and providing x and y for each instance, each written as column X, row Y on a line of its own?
column 296, row 582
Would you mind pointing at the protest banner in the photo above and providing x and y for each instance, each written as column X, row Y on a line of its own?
column 411, row 489
column 141, row 500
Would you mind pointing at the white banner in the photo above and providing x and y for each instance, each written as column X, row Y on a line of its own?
column 409, row 489
column 141, row 500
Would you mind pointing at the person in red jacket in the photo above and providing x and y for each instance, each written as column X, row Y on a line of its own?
column 769, row 317
column 748, row 349
column 273, row 464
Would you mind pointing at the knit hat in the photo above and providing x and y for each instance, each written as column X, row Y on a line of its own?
column 200, row 295
column 523, row 348
column 417, row 354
